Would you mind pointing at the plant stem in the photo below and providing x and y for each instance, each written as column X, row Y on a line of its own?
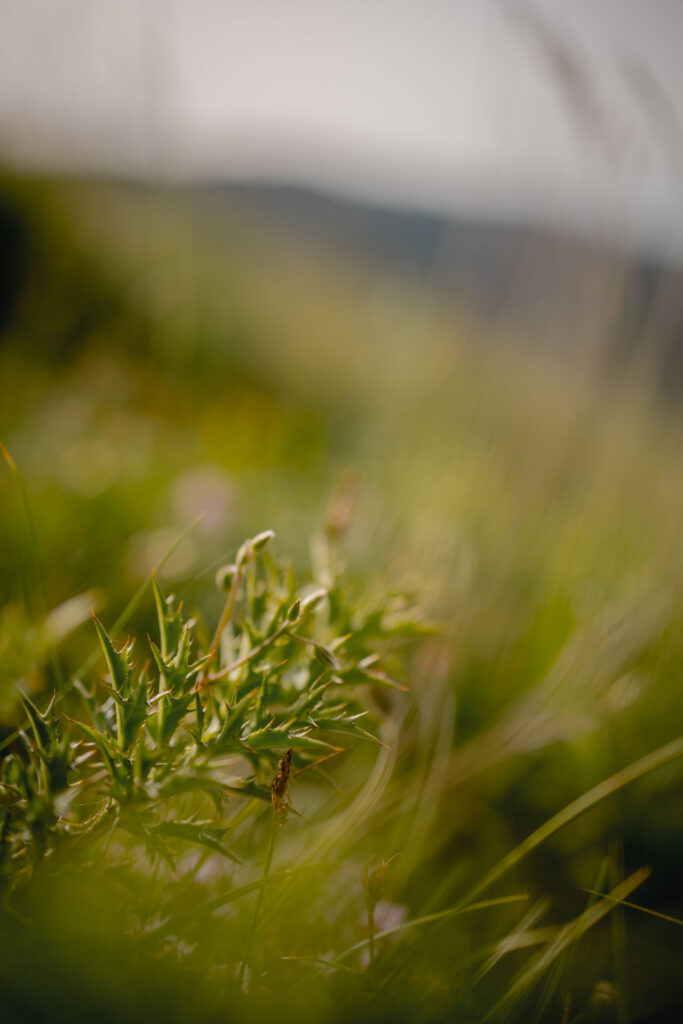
column 227, row 612
column 208, row 679
column 371, row 944
column 259, row 901
column 224, row 619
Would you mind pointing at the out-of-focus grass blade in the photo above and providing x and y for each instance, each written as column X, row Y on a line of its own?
column 318, row 962
column 636, row 906
column 569, row 934
column 564, row 962
column 176, row 921
column 593, row 796
column 577, row 807
column 418, row 922
column 516, row 939
column 33, row 544
column 139, row 594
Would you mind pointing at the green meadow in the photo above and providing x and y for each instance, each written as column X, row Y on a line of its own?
column 498, row 835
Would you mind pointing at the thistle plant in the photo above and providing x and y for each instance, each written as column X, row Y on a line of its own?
column 188, row 746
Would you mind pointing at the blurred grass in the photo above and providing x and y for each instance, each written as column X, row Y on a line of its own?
column 165, row 359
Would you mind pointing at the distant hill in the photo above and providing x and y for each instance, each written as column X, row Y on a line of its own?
column 596, row 304
column 602, row 302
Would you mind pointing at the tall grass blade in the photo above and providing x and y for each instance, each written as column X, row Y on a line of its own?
column 571, row 933
column 658, row 758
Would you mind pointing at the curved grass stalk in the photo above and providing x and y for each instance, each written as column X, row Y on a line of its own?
column 569, row 934
column 441, row 915
column 658, row 758
column 636, row 906
column 259, row 900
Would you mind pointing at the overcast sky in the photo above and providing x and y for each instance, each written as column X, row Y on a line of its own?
column 537, row 108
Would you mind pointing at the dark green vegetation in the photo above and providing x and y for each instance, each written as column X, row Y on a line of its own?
column 158, row 362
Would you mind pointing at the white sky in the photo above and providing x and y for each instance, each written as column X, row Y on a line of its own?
column 560, row 108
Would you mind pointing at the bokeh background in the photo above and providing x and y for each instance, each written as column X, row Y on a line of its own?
column 428, row 254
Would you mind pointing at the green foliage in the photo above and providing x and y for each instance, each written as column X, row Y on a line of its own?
column 268, row 684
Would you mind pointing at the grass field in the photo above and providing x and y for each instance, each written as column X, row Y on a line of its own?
column 174, row 380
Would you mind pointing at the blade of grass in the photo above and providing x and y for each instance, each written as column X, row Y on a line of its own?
column 618, row 929
column 33, row 547
column 259, row 900
column 418, row 922
column 177, row 921
column 636, row 906
column 514, row 941
column 324, row 963
column 511, row 941
column 344, row 824
column 563, row 963
column 136, row 600
column 661, row 756
column 567, row 935
column 669, row 752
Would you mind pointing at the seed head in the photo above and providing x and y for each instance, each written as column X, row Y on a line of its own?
column 279, row 789
column 261, row 539
column 225, row 576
